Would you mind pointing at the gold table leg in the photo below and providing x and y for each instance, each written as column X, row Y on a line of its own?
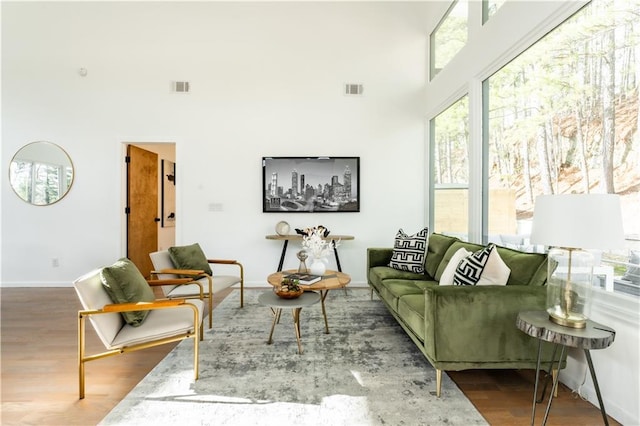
column 276, row 319
column 323, row 295
column 296, row 326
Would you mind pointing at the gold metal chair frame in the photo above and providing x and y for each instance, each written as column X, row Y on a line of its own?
column 194, row 273
column 196, row 334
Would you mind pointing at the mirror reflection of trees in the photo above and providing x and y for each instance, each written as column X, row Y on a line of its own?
column 41, row 173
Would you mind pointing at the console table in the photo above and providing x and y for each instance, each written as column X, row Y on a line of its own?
column 298, row 237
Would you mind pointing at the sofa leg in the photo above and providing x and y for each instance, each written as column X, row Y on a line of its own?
column 438, row 382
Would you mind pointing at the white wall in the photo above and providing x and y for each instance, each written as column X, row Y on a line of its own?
column 617, row 368
column 266, row 79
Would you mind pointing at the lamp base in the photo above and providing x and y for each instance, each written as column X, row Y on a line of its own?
column 573, row 321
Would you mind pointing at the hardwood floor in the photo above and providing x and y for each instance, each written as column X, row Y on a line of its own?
column 40, row 384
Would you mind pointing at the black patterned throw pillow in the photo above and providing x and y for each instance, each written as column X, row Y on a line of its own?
column 409, row 251
column 470, row 268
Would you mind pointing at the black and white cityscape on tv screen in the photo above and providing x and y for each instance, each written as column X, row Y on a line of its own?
column 311, row 184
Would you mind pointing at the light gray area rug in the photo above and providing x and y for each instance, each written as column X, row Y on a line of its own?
column 365, row 372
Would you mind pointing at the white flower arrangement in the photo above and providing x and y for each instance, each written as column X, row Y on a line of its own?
column 317, row 246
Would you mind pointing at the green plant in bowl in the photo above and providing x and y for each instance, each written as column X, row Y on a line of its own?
column 289, row 289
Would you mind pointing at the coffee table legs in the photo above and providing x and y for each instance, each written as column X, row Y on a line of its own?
column 296, row 325
column 323, row 295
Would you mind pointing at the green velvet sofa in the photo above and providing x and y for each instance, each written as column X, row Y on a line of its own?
column 464, row 327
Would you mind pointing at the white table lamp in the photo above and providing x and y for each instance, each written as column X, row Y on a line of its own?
column 567, row 224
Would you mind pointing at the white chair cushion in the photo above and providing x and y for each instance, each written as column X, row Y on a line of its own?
column 161, row 260
column 220, row 282
column 93, row 296
column 158, row 324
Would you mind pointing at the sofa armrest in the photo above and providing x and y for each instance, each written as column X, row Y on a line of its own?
column 378, row 256
column 479, row 322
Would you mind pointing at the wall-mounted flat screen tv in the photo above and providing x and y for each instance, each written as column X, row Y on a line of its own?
column 310, row 184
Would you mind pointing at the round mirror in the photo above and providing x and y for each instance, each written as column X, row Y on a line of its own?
column 41, row 173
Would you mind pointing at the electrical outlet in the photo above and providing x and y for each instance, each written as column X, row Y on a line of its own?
column 215, row 207
column 55, row 262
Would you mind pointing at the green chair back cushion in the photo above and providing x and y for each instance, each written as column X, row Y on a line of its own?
column 190, row 257
column 125, row 284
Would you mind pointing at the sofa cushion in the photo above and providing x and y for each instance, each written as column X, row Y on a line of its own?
column 495, row 272
column 377, row 274
column 484, row 267
column 124, row 283
column 453, row 248
column 469, row 270
column 392, row 290
column 411, row 310
column 526, row 268
column 190, row 257
column 409, row 251
column 447, row 275
column 437, row 248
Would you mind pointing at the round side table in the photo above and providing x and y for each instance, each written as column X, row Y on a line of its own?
column 594, row 336
column 270, row 299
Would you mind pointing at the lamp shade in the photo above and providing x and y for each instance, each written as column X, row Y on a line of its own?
column 587, row 221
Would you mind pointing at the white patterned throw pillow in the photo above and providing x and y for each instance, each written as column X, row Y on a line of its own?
column 409, row 251
column 450, row 270
column 484, row 267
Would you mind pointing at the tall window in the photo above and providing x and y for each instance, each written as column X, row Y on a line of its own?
column 449, row 36
column 489, row 8
column 563, row 118
column 450, row 165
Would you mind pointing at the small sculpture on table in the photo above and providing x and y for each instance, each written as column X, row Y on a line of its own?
column 302, row 256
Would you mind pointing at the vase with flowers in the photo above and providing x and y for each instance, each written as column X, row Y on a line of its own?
column 315, row 244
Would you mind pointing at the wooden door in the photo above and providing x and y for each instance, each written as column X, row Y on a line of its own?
column 142, row 207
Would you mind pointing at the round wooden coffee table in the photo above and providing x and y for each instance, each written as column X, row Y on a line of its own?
column 331, row 280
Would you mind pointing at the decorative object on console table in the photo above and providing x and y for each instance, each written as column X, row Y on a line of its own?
column 315, row 244
column 282, row 228
column 302, row 257
column 568, row 224
column 324, row 232
column 297, row 237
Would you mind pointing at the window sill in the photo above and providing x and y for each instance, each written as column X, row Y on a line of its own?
column 618, row 305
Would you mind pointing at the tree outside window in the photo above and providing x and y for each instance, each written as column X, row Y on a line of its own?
column 563, row 118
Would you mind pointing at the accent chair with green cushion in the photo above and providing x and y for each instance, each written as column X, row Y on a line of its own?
column 190, row 261
column 164, row 321
column 460, row 327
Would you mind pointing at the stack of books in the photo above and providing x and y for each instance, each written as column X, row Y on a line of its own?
column 305, row 279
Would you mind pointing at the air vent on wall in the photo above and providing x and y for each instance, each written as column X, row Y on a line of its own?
column 180, row 86
column 353, row 89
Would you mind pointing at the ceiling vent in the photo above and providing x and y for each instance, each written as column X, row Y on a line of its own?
column 180, row 86
column 353, row 89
